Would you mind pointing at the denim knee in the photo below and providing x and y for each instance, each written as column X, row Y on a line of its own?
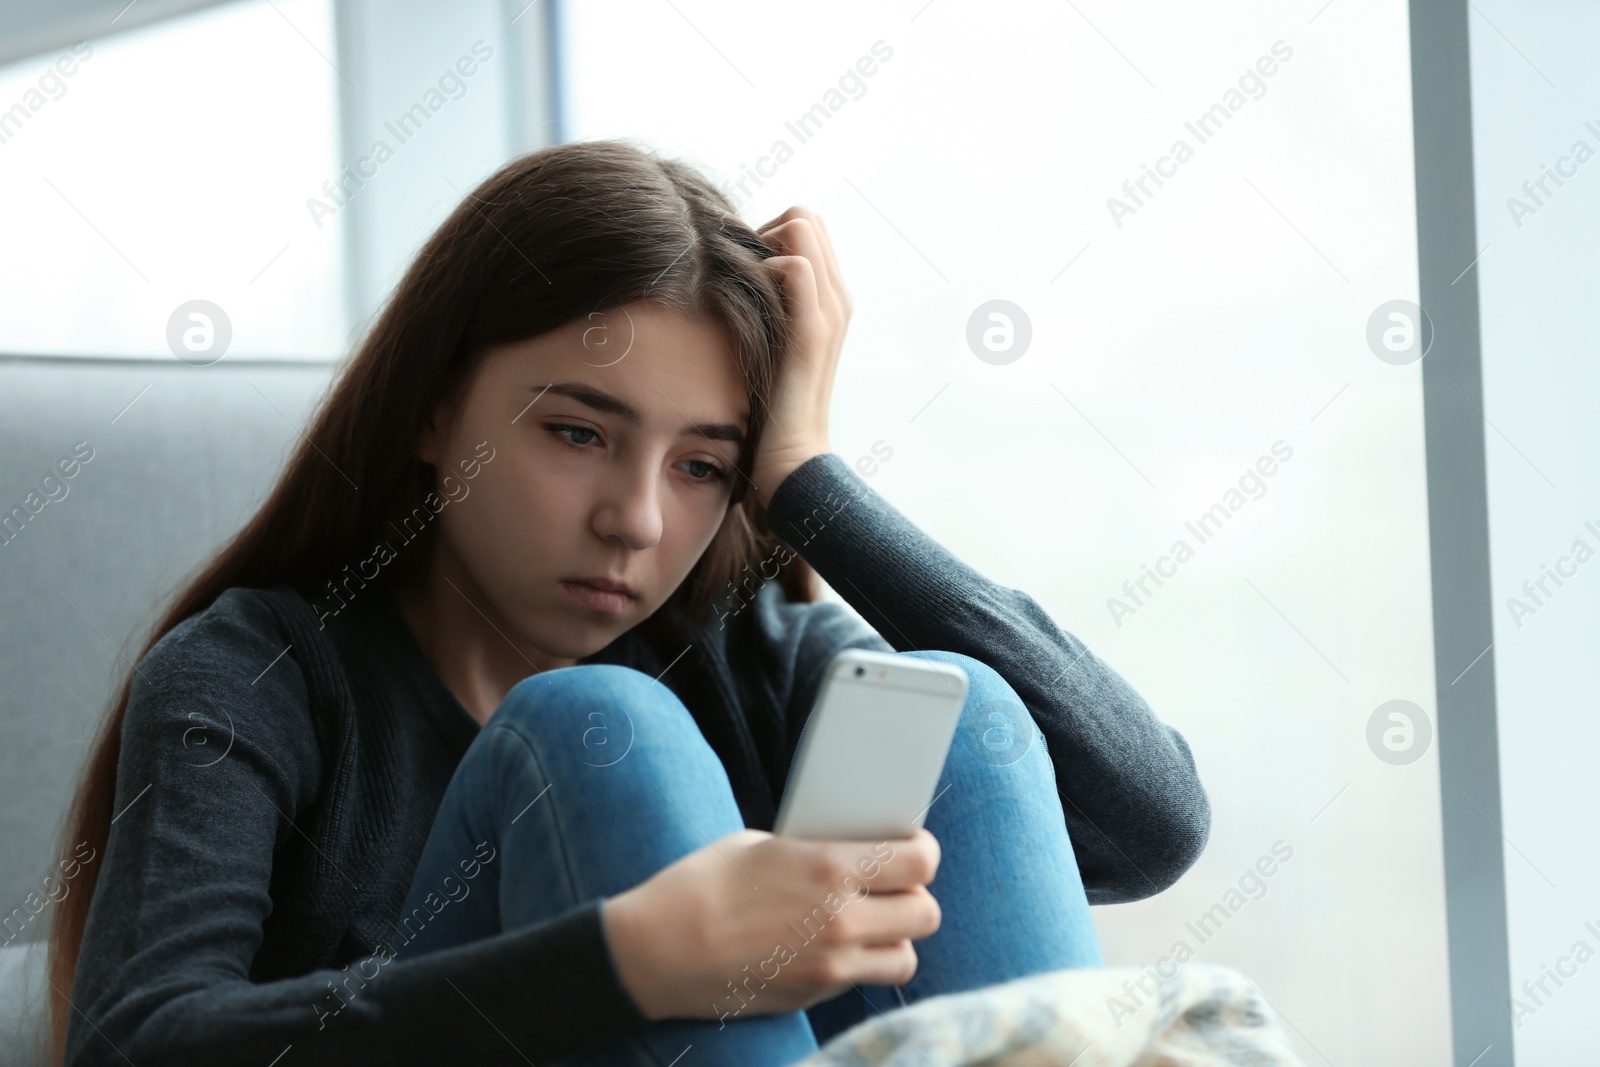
column 581, row 680
column 600, row 714
column 996, row 729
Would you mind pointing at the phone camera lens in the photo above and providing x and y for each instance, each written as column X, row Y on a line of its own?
column 860, row 671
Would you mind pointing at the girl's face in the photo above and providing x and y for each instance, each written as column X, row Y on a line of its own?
column 611, row 445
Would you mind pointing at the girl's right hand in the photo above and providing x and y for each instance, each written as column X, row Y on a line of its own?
column 788, row 922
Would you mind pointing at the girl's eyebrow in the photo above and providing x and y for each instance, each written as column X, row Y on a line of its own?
column 601, row 400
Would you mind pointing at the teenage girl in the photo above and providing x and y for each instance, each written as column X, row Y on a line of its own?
column 467, row 746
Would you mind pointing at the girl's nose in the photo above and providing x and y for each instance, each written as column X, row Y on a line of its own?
column 630, row 506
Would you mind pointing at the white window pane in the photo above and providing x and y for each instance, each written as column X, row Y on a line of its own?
column 173, row 164
column 1537, row 212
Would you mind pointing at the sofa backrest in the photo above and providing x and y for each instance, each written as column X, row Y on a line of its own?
column 117, row 478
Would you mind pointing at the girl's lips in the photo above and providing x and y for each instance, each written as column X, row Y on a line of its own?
column 602, row 600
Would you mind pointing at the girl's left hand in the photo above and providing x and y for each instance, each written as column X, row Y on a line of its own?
column 819, row 310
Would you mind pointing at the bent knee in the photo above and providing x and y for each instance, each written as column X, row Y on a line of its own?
column 597, row 713
column 589, row 682
column 981, row 678
column 996, row 729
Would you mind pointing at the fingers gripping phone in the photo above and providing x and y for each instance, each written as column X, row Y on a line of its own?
column 873, row 749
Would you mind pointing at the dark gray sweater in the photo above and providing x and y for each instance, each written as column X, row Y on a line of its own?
column 277, row 783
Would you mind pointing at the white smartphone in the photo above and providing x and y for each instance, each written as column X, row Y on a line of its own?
column 873, row 749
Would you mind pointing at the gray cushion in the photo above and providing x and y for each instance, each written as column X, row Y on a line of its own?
column 172, row 476
column 23, row 1028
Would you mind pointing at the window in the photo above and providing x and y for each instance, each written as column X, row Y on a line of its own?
column 172, row 164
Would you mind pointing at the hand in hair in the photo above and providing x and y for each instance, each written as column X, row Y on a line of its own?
column 819, row 311
column 756, row 924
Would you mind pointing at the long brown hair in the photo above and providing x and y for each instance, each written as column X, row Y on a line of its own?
column 552, row 237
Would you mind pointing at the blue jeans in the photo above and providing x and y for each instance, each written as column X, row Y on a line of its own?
column 589, row 779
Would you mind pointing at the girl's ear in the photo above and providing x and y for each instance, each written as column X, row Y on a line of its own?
column 430, row 440
column 428, row 443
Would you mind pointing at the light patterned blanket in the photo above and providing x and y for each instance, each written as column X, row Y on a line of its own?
column 1202, row 1016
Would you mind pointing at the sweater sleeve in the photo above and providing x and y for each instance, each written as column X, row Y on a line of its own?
column 219, row 766
column 1134, row 806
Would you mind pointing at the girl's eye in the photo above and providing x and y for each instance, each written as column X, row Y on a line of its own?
column 562, row 431
column 712, row 472
column 700, row 470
